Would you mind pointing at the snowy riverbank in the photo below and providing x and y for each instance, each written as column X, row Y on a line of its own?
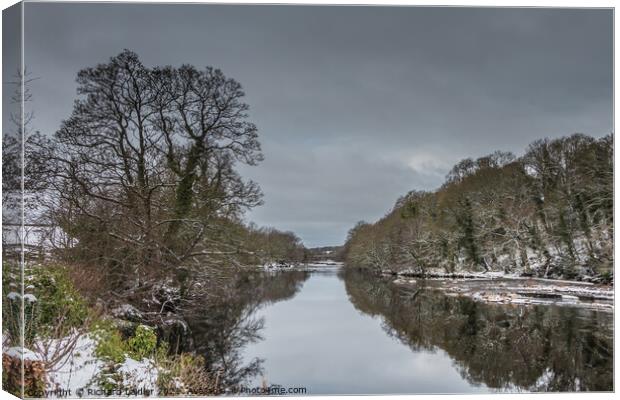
column 508, row 289
column 277, row 266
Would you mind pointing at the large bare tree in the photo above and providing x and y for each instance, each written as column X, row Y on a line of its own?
column 144, row 167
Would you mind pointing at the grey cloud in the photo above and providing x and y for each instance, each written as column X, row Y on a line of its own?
column 355, row 105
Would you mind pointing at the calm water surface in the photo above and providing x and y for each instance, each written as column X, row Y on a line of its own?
column 346, row 333
column 319, row 340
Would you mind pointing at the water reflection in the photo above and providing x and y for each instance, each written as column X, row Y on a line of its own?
column 227, row 322
column 319, row 341
column 505, row 347
column 350, row 333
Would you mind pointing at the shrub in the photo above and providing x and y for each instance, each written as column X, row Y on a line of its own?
column 52, row 306
column 12, row 307
column 143, row 343
column 12, row 318
column 110, row 344
column 185, row 374
column 61, row 308
column 109, row 378
column 112, row 347
column 92, row 281
column 34, row 379
column 177, row 374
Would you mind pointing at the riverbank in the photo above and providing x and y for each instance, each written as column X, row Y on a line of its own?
column 283, row 266
column 76, row 347
column 507, row 289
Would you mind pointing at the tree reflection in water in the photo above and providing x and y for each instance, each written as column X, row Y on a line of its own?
column 506, row 347
column 225, row 324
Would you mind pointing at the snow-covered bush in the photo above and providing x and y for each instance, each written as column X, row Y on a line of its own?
column 52, row 306
column 12, row 308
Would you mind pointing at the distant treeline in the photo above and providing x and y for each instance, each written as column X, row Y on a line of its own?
column 548, row 213
column 259, row 245
column 262, row 245
column 325, row 253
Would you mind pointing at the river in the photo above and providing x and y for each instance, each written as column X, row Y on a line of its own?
column 336, row 332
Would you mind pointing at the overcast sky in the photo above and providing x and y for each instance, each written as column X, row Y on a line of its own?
column 355, row 105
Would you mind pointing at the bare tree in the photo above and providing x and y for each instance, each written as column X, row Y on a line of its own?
column 145, row 164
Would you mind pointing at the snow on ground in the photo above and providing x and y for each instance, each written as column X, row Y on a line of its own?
column 126, row 311
column 78, row 371
column 311, row 265
column 140, row 375
column 19, row 352
column 276, row 265
column 518, row 290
